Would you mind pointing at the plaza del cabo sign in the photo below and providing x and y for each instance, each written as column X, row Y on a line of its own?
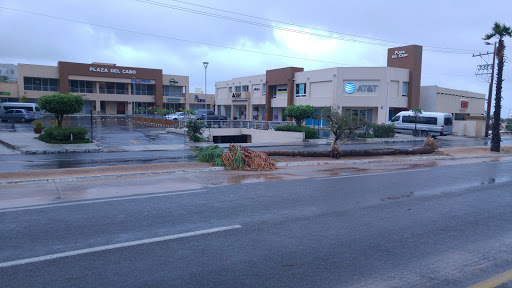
column 399, row 54
column 112, row 70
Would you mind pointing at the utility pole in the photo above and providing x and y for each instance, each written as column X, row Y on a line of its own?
column 489, row 98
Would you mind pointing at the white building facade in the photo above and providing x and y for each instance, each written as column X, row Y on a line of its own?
column 377, row 93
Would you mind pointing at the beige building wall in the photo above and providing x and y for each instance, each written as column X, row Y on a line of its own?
column 231, row 106
column 41, row 71
column 439, row 99
column 9, row 90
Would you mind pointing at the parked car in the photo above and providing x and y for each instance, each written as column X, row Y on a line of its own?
column 176, row 116
column 16, row 115
column 202, row 114
column 32, row 108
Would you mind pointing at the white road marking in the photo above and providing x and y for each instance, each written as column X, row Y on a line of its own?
column 371, row 174
column 115, row 246
column 98, row 201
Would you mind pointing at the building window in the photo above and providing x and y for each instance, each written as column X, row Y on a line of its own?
column 245, row 88
column 112, row 88
column 300, row 90
column 174, row 90
column 264, row 89
column 143, row 89
column 40, row 84
column 80, row 86
column 405, row 89
column 230, row 89
column 238, row 88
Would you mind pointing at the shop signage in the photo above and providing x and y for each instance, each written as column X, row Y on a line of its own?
column 199, row 100
column 112, row 70
column 367, row 88
column 464, row 105
column 399, row 54
column 173, row 81
column 140, row 81
column 350, row 88
column 256, row 89
column 173, row 99
column 237, row 95
column 5, row 93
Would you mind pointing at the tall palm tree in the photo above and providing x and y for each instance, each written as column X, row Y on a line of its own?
column 498, row 30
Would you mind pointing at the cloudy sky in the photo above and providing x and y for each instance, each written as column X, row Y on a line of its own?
column 242, row 38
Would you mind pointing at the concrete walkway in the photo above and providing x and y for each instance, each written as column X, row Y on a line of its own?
column 27, row 143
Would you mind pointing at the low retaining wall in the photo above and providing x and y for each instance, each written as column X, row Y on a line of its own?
column 257, row 136
column 471, row 128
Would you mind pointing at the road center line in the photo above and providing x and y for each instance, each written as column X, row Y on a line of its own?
column 99, row 201
column 116, row 246
column 370, row 174
column 494, row 281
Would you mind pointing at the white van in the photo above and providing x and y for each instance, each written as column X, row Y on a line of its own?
column 433, row 123
column 33, row 110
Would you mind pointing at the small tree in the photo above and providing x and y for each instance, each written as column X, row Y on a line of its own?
column 24, row 99
column 195, row 130
column 299, row 113
column 417, row 112
column 61, row 104
column 342, row 125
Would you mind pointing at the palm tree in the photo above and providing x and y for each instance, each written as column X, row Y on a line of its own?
column 498, row 30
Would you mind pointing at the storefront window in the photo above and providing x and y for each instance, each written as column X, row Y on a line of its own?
column 405, row 89
column 79, row 86
column 300, row 90
column 40, row 84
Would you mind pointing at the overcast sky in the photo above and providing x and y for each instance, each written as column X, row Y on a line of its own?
column 242, row 38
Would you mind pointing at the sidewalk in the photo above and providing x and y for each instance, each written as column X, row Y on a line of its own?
column 27, row 143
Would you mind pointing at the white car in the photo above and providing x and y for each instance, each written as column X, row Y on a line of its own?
column 176, row 116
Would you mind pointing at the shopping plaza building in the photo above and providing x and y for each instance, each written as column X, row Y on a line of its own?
column 376, row 93
column 107, row 89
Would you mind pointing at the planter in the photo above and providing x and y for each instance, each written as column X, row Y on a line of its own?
column 38, row 130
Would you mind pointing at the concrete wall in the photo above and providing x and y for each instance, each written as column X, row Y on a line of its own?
column 439, row 99
column 259, row 136
column 471, row 128
column 9, row 90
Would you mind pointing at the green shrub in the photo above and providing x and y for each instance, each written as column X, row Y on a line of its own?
column 311, row 133
column 508, row 127
column 195, row 130
column 383, row 131
column 211, row 154
column 62, row 135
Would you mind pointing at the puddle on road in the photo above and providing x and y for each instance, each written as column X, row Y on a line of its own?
column 375, row 168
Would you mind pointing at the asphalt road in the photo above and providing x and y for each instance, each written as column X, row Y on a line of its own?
column 430, row 227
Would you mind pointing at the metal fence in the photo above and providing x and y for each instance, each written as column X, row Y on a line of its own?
column 156, row 120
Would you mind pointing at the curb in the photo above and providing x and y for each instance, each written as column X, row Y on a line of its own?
column 9, row 145
column 67, row 179
column 34, row 152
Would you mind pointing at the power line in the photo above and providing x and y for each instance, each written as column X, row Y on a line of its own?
column 173, row 38
column 431, row 48
column 188, row 41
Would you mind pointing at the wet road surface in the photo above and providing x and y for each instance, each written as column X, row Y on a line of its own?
column 426, row 227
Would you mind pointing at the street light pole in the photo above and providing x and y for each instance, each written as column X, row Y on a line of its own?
column 205, row 64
